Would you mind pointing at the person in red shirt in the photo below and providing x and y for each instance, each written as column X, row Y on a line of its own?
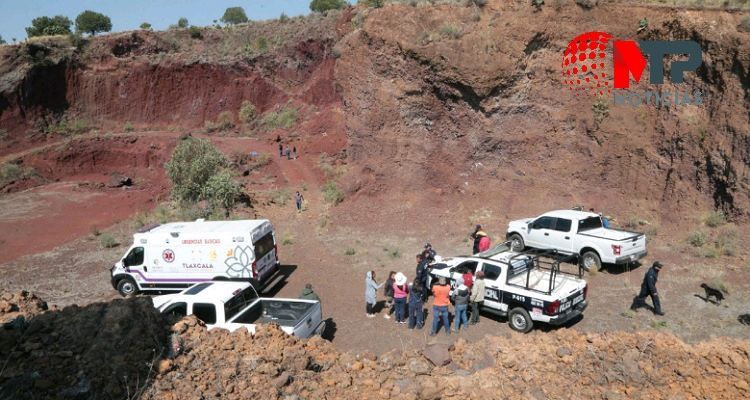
column 441, row 293
column 484, row 243
column 468, row 279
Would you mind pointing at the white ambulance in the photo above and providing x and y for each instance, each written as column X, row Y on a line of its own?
column 173, row 256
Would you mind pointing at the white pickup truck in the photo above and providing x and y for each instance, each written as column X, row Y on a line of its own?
column 233, row 305
column 525, row 287
column 578, row 232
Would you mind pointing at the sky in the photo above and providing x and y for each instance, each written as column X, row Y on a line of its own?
column 16, row 15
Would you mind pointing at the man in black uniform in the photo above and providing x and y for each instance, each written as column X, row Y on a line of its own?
column 421, row 275
column 648, row 288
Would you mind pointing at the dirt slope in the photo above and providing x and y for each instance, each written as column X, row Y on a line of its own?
column 125, row 349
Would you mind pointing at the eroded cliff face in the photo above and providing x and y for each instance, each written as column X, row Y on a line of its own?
column 465, row 101
column 168, row 79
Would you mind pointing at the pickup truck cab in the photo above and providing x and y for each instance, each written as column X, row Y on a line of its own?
column 580, row 233
column 524, row 287
column 234, row 305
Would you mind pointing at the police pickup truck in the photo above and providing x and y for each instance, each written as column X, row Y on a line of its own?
column 525, row 287
column 235, row 305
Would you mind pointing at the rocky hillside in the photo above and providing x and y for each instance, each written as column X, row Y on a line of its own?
column 124, row 349
column 473, row 101
column 453, row 97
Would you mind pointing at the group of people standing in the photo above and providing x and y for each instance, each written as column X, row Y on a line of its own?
column 406, row 300
column 291, row 154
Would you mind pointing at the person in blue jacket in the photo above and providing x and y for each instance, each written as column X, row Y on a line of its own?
column 648, row 288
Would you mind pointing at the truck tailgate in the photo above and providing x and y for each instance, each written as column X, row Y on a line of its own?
column 309, row 324
column 633, row 246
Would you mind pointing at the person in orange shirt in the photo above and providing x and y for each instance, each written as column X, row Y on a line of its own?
column 440, row 292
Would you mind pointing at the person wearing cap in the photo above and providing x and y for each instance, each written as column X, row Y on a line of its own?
column 461, row 300
column 428, row 253
column 648, row 288
column 400, row 293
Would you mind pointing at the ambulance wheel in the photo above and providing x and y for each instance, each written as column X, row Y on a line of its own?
column 520, row 320
column 127, row 287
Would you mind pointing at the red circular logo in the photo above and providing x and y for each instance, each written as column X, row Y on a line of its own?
column 586, row 66
column 168, row 255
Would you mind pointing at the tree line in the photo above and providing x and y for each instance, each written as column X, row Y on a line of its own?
column 93, row 22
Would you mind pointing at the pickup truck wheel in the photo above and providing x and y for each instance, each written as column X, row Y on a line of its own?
column 127, row 287
column 520, row 320
column 516, row 242
column 591, row 260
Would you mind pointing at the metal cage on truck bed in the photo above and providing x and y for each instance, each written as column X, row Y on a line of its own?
column 538, row 259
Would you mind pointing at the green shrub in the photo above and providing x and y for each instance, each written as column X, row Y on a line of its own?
column 350, row 252
column 726, row 241
column 287, row 240
column 537, row 3
column 146, row 26
column 182, row 23
column 450, row 31
column 13, row 172
column 697, row 239
column 601, row 111
column 193, row 163
column 48, row 26
column 708, row 252
column 284, row 118
column 283, row 17
column 224, row 121
column 107, row 241
column 372, row 3
column 715, row 219
column 69, row 127
column 281, row 196
column 76, row 40
column 332, row 194
column 658, row 324
column 195, row 32
column 325, row 5
column 247, row 112
column 221, row 192
column 261, row 44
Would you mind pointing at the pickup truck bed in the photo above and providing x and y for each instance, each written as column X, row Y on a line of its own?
column 611, row 234
column 539, row 281
column 278, row 312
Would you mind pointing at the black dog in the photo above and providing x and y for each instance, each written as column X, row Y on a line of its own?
column 711, row 292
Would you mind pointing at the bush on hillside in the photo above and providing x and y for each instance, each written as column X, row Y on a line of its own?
column 325, row 5
column 193, row 163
